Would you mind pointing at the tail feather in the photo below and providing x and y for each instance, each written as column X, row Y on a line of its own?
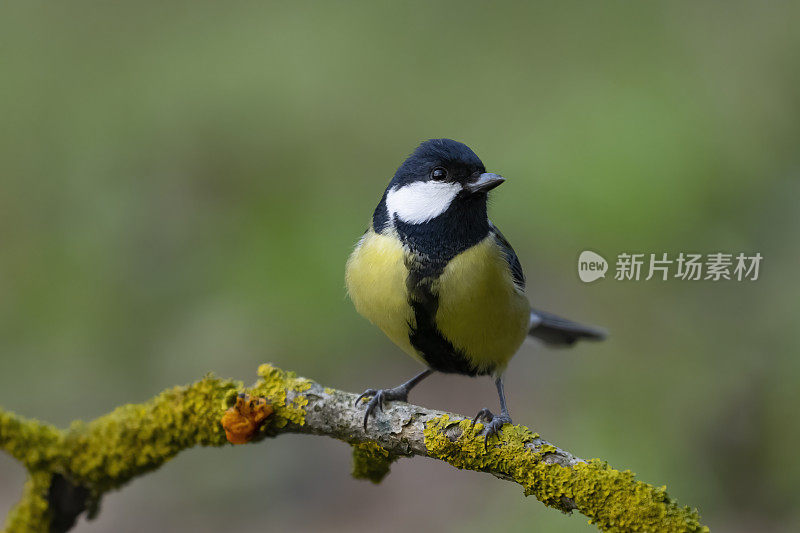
column 558, row 331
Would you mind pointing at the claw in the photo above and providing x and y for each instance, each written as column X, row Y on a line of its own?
column 379, row 396
column 375, row 402
column 366, row 419
column 368, row 392
column 492, row 426
column 483, row 413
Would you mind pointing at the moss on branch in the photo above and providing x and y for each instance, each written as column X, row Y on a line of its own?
column 371, row 461
column 613, row 500
column 70, row 469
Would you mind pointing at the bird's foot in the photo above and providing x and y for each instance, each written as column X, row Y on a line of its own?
column 378, row 397
column 492, row 424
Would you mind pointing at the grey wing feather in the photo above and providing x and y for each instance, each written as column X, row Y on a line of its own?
column 558, row 331
column 511, row 257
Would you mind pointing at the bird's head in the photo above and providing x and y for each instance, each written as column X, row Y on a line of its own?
column 441, row 177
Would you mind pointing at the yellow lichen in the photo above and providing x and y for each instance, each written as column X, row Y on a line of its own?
column 371, row 461
column 32, row 513
column 34, row 444
column 139, row 437
column 613, row 500
column 273, row 386
column 109, row 451
column 106, row 453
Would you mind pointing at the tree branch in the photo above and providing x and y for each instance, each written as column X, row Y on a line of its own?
column 70, row 470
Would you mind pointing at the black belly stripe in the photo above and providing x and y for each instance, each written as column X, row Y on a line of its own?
column 425, row 337
column 432, row 245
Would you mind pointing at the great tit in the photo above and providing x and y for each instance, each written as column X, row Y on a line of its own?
column 442, row 282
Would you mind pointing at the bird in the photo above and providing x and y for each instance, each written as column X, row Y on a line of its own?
column 441, row 280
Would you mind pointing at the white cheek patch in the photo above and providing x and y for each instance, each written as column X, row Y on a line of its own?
column 421, row 201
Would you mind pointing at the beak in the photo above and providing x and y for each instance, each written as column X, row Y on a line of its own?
column 484, row 182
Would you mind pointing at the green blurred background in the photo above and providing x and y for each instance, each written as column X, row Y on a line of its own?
column 181, row 184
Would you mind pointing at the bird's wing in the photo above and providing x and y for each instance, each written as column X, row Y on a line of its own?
column 550, row 328
column 511, row 257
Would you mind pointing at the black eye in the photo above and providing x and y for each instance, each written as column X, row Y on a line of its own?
column 439, row 173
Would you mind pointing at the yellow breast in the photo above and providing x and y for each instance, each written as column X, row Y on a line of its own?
column 480, row 310
column 376, row 282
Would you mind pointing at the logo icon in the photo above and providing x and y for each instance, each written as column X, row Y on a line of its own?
column 591, row 266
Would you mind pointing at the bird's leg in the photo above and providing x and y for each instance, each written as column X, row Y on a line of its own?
column 383, row 395
column 493, row 423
